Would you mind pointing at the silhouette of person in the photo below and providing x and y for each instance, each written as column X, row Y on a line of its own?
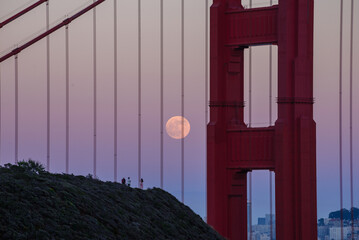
column 129, row 181
column 123, row 181
column 141, row 183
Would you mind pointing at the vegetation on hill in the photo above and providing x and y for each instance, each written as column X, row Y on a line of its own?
column 346, row 214
column 35, row 204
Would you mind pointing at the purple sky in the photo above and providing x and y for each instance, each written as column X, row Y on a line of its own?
column 32, row 80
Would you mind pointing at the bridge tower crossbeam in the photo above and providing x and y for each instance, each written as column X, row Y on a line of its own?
column 288, row 147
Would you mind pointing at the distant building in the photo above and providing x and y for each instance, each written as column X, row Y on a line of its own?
column 261, row 228
column 264, row 237
column 334, row 222
column 261, row 221
column 248, row 221
column 335, row 233
column 323, row 231
column 268, row 219
column 326, row 221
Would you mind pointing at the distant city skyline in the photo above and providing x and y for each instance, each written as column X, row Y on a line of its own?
column 329, row 228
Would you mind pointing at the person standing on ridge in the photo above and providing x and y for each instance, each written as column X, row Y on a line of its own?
column 123, row 181
column 141, row 183
column 129, row 181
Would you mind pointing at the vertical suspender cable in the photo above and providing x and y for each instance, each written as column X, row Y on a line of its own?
column 206, row 64
column 250, row 82
column 270, row 205
column 206, row 94
column 340, row 120
column 0, row 115
column 139, row 92
column 270, row 123
column 94, row 95
column 115, row 92
column 182, row 99
column 67, row 98
column 351, row 121
column 161, row 91
column 48, row 89
column 16, row 110
column 250, row 125
column 250, row 204
column 270, row 81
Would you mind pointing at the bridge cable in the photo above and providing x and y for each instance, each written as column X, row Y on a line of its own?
column 65, row 22
column 206, row 63
column 94, row 95
column 351, row 121
column 139, row 92
column 16, row 110
column 340, row 120
column 182, row 99
column 161, row 92
column 206, row 94
column 67, row 96
column 48, row 89
column 0, row 114
column 250, row 125
column 270, row 123
column 22, row 12
column 115, row 92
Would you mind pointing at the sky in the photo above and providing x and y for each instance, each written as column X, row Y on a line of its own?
column 32, row 95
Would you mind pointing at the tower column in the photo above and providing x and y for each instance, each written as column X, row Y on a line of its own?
column 289, row 147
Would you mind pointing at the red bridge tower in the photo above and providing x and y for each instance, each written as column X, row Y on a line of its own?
column 289, row 147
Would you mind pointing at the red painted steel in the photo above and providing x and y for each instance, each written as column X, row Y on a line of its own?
column 289, row 147
column 67, row 21
column 22, row 12
column 253, row 26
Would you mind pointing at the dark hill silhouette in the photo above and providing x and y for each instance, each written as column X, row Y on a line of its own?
column 35, row 204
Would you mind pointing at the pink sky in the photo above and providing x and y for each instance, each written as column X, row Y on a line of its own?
column 32, row 79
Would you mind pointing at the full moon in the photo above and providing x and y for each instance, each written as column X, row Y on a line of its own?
column 174, row 127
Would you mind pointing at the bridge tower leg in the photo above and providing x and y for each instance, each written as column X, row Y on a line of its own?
column 295, row 128
column 289, row 147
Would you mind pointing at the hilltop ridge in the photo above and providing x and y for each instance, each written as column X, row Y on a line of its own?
column 35, row 204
